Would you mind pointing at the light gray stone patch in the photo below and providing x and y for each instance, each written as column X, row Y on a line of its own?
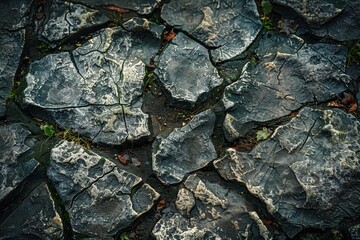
column 96, row 89
column 12, row 44
column 229, row 26
column 307, row 173
column 186, row 72
column 282, row 82
column 14, row 14
column 66, row 18
column 139, row 6
column 185, row 150
column 98, row 195
column 36, row 217
column 15, row 165
column 219, row 213
column 185, row 201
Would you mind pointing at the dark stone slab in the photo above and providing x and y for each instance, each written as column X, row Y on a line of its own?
column 14, row 14
column 96, row 89
column 307, row 173
column 15, row 162
column 35, row 218
column 140, row 6
column 12, row 44
column 66, row 18
column 185, row 150
column 219, row 213
column 289, row 75
column 229, row 26
column 355, row 232
column 99, row 197
column 185, row 71
column 315, row 12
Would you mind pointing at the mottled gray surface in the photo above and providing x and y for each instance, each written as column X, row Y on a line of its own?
column 140, row 6
column 219, row 213
column 289, row 75
column 14, row 14
column 98, row 196
column 66, row 18
column 307, row 174
column 229, row 26
column 185, row 71
column 185, row 150
column 12, row 44
column 15, row 162
column 355, row 232
column 35, row 218
column 315, row 12
column 96, row 89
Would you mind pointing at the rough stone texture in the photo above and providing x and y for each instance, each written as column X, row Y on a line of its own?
column 14, row 14
column 67, row 18
column 307, row 174
column 15, row 164
column 229, row 26
column 355, row 232
column 35, row 218
column 185, row 201
column 315, row 12
column 98, row 195
column 12, row 44
column 288, row 76
column 140, row 6
column 96, row 90
column 185, row 71
column 219, row 213
column 185, row 150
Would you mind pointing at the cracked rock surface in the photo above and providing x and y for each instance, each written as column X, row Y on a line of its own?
column 288, row 75
column 96, row 89
column 229, row 26
column 98, row 196
column 307, row 174
column 36, row 217
column 15, row 161
column 185, row 71
column 67, row 18
column 228, row 215
column 140, row 6
column 185, row 150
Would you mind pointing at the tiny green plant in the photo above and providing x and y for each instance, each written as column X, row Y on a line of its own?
column 266, row 9
column 48, row 130
column 262, row 134
column 12, row 96
column 148, row 79
column 43, row 47
column 354, row 53
column 124, row 236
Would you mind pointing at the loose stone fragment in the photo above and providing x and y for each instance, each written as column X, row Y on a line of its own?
column 307, row 174
column 98, row 196
column 36, row 217
column 140, row 6
column 185, row 150
column 229, row 27
column 15, row 161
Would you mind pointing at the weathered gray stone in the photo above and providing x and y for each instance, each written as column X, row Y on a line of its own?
column 15, row 164
column 355, row 232
column 185, row 150
column 14, row 14
column 219, row 213
column 185, row 71
column 285, row 79
column 67, row 18
column 97, row 195
column 229, row 26
column 315, row 12
column 307, row 174
column 140, row 6
column 12, row 44
column 35, row 218
column 96, row 90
